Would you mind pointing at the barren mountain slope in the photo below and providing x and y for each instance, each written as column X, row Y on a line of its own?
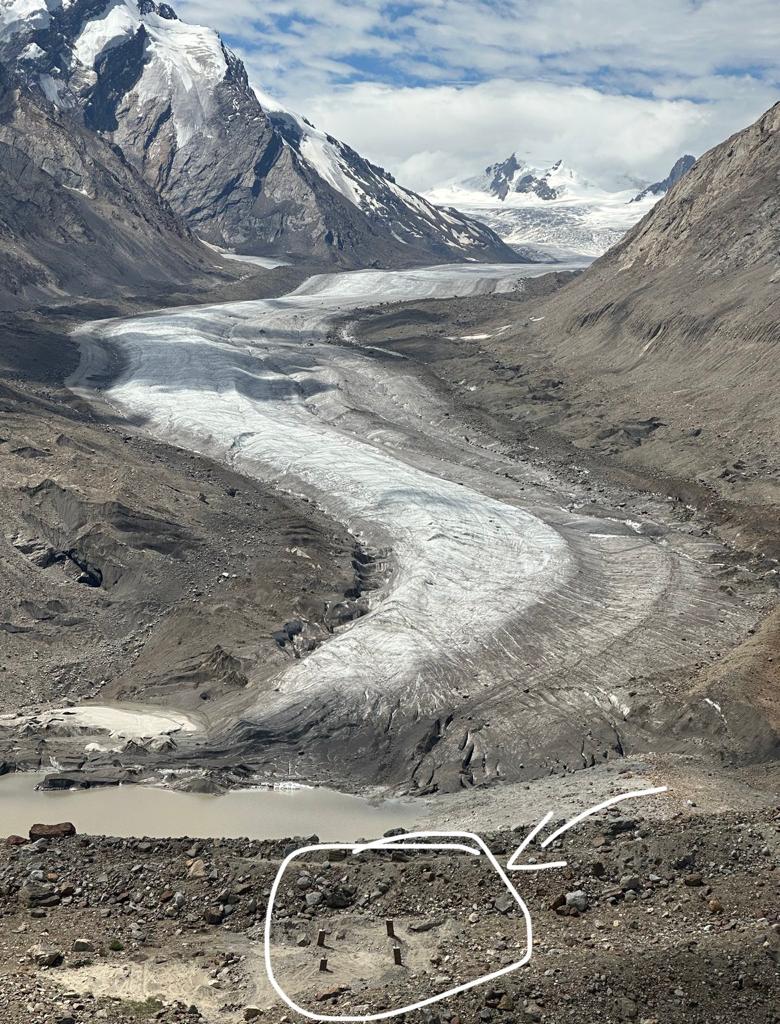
column 679, row 322
column 75, row 219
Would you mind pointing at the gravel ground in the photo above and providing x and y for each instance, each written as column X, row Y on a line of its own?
column 651, row 920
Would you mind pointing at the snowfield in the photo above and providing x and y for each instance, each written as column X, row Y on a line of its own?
column 583, row 218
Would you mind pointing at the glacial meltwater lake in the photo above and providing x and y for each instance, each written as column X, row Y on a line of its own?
column 161, row 813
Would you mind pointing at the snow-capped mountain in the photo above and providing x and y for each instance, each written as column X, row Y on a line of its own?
column 512, row 177
column 178, row 104
column 373, row 190
column 552, row 207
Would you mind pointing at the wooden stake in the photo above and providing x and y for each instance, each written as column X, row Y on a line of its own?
column 321, row 937
column 390, row 929
column 397, row 955
column 323, row 964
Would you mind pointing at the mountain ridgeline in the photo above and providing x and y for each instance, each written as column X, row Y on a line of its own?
column 170, row 108
column 660, row 188
column 513, row 177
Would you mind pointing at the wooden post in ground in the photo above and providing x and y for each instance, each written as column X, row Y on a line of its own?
column 321, row 937
column 323, row 964
column 397, row 955
column 390, row 929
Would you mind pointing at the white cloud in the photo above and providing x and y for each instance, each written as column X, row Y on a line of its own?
column 429, row 135
column 437, row 89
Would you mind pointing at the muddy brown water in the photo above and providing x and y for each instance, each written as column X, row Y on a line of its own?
column 160, row 813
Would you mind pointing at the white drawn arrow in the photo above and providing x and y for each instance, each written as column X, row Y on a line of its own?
column 513, row 862
column 461, row 842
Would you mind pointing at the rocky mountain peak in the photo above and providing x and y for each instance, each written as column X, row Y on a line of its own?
column 178, row 104
column 513, row 176
column 660, row 188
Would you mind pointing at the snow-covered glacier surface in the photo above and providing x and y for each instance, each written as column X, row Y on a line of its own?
column 562, row 216
column 513, row 619
column 259, row 384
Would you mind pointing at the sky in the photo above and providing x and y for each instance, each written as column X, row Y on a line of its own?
column 438, row 89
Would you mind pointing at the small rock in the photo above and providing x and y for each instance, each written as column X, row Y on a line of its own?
column 504, row 903
column 44, row 956
column 628, row 1009
column 577, row 899
column 197, row 869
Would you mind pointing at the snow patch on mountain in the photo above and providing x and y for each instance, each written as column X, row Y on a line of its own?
column 185, row 61
column 324, row 158
column 117, row 25
column 17, row 16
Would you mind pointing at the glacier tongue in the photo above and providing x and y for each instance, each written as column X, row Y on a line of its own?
column 208, row 376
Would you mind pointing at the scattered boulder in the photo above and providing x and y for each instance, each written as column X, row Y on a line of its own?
column 40, row 894
column 504, row 903
column 577, row 899
column 630, row 883
column 197, row 869
column 44, row 956
column 338, row 898
column 63, row 830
